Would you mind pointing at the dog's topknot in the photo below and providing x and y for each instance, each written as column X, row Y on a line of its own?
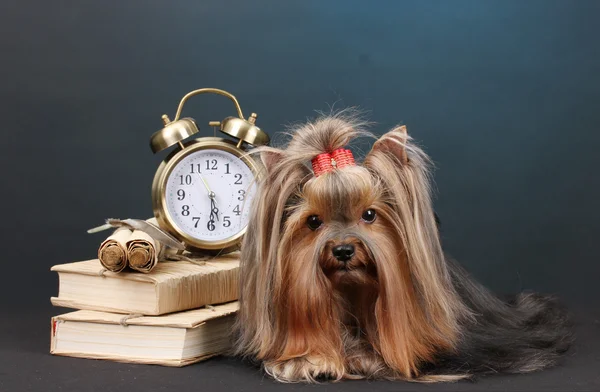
column 326, row 133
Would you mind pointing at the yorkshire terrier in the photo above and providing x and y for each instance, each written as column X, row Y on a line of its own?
column 343, row 274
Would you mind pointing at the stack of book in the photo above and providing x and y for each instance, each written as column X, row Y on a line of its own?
column 178, row 314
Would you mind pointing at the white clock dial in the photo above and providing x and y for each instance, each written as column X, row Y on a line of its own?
column 213, row 215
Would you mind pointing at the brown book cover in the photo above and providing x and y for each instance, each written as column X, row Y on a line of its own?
column 176, row 339
column 170, row 287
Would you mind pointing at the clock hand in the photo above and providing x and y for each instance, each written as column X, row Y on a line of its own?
column 213, row 204
column 213, row 214
column 214, row 211
column 211, row 194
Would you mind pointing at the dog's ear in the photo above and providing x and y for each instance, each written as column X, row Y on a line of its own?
column 270, row 158
column 394, row 143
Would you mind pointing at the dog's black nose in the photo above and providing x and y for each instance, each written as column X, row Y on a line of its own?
column 343, row 252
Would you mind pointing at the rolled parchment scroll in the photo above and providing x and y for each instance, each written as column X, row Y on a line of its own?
column 143, row 251
column 137, row 243
column 112, row 253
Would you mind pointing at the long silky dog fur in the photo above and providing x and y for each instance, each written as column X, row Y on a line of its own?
column 402, row 309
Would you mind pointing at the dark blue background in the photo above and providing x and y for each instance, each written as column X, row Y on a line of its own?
column 502, row 94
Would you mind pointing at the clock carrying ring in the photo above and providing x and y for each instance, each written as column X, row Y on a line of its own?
column 174, row 132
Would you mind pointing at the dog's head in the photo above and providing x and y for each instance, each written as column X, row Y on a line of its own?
column 337, row 222
column 358, row 238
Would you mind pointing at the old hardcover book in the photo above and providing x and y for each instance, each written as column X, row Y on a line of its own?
column 170, row 287
column 176, row 339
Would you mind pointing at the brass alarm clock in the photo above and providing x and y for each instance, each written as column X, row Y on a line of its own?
column 202, row 191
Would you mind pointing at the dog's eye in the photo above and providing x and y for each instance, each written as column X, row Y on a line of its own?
column 369, row 215
column 313, row 222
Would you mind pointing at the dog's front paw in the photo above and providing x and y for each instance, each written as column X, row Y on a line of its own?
column 305, row 369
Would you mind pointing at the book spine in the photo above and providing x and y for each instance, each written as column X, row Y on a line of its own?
column 198, row 290
column 53, row 326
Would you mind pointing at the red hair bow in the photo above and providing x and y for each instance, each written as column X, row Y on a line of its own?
column 326, row 162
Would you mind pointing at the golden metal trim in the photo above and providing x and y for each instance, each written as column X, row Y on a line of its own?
column 205, row 91
column 159, row 189
column 173, row 132
column 245, row 131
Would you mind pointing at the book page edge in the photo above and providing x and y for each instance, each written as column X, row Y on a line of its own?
column 144, row 361
column 74, row 304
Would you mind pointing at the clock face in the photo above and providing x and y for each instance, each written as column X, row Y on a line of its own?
column 209, row 193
